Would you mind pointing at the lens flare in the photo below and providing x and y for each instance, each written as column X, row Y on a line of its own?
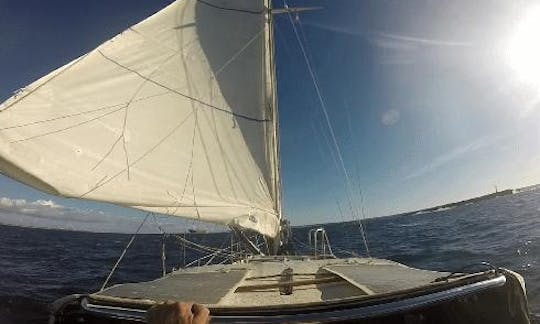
column 524, row 48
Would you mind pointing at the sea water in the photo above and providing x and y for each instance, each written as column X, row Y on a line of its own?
column 38, row 266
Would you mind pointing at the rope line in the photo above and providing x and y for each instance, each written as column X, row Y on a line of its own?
column 253, row 12
column 124, row 253
column 194, row 99
column 238, row 53
column 196, row 246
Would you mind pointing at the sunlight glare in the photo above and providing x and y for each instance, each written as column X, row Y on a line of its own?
column 524, row 48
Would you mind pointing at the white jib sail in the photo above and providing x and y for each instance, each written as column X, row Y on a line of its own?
column 173, row 116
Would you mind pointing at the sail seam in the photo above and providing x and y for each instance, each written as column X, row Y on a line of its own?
column 140, row 158
column 60, row 117
column 160, row 44
column 124, row 143
column 195, row 128
column 126, row 111
column 225, row 159
column 246, row 205
column 183, row 94
column 69, row 127
column 37, row 122
column 113, row 145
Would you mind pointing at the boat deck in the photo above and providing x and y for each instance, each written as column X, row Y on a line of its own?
column 275, row 281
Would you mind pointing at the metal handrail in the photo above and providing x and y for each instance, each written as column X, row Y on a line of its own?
column 316, row 237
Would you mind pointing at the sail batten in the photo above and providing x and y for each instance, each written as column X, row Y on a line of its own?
column 172, row 116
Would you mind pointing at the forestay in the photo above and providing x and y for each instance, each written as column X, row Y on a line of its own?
column 174, row 115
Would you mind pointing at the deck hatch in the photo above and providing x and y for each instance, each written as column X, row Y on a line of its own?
column 384, row 278
column 204, row 287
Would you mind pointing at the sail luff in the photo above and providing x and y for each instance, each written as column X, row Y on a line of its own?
column 273, row 141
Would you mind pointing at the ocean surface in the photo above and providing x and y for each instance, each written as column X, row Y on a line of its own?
column 38, row 266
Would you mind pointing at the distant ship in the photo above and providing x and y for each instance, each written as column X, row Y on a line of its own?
column 197, row 231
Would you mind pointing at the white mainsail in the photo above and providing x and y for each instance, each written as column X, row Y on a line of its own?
column 175, row 115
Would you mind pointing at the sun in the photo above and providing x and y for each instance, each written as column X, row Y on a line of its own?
column 524, row 48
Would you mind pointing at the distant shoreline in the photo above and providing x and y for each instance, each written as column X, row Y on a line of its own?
column 96, row 232
column 437, row 208
column 475, row 199
column 443, row 207
column 466, row 201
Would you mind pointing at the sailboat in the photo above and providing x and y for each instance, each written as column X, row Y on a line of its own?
column 177, row 115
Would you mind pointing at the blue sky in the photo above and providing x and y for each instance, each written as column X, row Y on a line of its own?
column 431, row 102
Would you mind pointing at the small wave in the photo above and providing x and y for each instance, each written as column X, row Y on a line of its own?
column 412, row 224
column 438, row 210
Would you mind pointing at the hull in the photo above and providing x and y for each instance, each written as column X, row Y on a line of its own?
column 351, row 290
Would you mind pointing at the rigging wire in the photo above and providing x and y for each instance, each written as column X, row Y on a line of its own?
column 124, row 252
column 212, row 253
column 212, row 256
column 337, row 166
column 318, row 134
column 221, row 252
column 163, row 254
column 202, row 248
column 356, row 171
column 328, row 122
column 196, row 247
column 163, row 247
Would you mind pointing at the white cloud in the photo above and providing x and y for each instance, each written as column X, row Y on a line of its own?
column 400, row 41
column 390, row 117
column 398, row 49
column 23, row 205
column 49, row 214
column 453, row 154
column 389, row 40
column 11, row 203
column 47, row 204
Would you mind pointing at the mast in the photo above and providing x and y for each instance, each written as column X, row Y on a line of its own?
column 273, row 145
column 273, row 132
